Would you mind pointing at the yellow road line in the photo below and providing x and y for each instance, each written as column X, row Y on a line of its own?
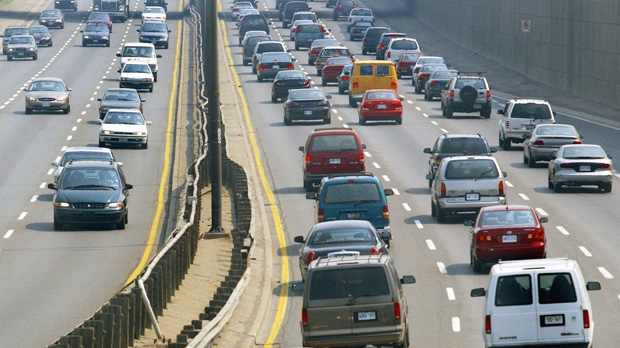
column 283, row 300
column 161, row 199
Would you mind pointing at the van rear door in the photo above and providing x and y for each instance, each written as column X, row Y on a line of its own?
column 560, row 314
column 327, row 304
column 511, row 312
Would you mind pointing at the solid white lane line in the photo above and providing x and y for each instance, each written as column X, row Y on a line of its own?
column 456, row 324
column 524, row 197
column 585, row 251
column 562, row 230
column 418, row 224
column 442, row 268
column 8, row 234
column 22, row 215
column 430, row 245
column 451, row 295
column 605, row 273
column 407, row 207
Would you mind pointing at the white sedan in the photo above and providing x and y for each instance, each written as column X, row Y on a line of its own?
column 153, row 13
column 124, row 127
column 137, row 76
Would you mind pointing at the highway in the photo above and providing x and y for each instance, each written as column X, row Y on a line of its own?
column 51, row 281
column 582, row 223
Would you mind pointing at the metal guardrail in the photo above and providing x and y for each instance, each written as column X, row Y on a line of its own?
column 126, row 316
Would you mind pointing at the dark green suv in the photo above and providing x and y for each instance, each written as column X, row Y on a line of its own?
column 91, row 193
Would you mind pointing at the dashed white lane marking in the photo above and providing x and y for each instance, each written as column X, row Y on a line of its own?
column 444, row 130
column 367, row 154
column 22, row 215
column 385, row 177
column 456, row 324
column 562, row 230
column 409, row 102
column 425, row 115
column 69, row 137
column 396, row 192
column 34, row 198
column 418, row 224
column 50, row 172
column 450, row 292
column 376, row 165
column 430, row 244
column 407, row 207
column 340, row 118
column 585, row 251
column 605, row 273
column 542, row 212
column 434, row 123
column 43, row 185
column 83, row 113
column 524, row 197
column 8, row 234
column 334, row 111
column 418, row 108
column 74, row 129
column 442, row 268
column 345, row 126
column 508, row 183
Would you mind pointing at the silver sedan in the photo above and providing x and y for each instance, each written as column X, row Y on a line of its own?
column 580, row 165
column 545, row 139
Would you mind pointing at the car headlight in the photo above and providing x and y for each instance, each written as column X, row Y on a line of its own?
column 59, row 20
column 31, row 99
column 31, row 49
column 121, row 8
column 141, row 37
column 85, row 37
column 124, row 79
column 165, row 38
column 61, row 204
column 10, row 49
column 61, row 99
column 105, row 132
column 148, row 80
column 116, row 204
column 141, row 133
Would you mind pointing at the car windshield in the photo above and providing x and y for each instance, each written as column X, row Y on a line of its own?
column 429, row 60
column 323, row 42
column 154, row 27
column 476, row 82
column 21, row 40
column 270, row 47
column 357, row 236
column 306, row 94
column 89, row 179
column 96, row 28
column 123, row 118
column 433, row 67
column 583, row 151
column 275, row 57
column 334, row 52
column 348, row 283
column 137, row 68
column 310, row 28
column 463, row 145
column 471, row 169
column 48, row 86
column 361, row 12
column 339, row 61
column 98, row 15
column 123, row 96
column 154, row 9
column 375, row 34
column 381, row 95
column 145, row 52
column 77, row 156
column 531, row 111
column 354, row 192
column 508, row 218
column 252, row 41
column 50, row 13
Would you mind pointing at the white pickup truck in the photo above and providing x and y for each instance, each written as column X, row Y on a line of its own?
column 359, row 14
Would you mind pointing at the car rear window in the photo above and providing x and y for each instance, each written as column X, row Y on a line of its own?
column 556, row 288
column 463, row 145
column 383, row 70
column 381, row 95
column 309, row 16
column 348, row 282
column 310, row 28
column 508, row 218
column 361, row 12
column 270, row 47
column 444, row 75
column 471, row 169
column 352, row 193
column 387, row 38
column 375, row 33
column 334, row 142
column 356, row 236
column 531, row 111
column 513, row 290
column 477, row 83
column 429, row 60
column 275, row 57
column 404, row 45
column 334, row 52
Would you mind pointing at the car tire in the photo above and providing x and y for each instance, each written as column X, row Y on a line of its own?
column 50, row 44
column 28, row 111
column 9, row 58
column 441, row 214
column 399, row 121
column 67, row 110
column 310, row 62
column 361, row 120
column 327, row 120
column 155, row 76
column 405, row 343
column 319, row 72
column 550, row 184
column 449, row 112
column 151, row 89
column 57, row 225
column 507, row 146
column 145, row 145
column 430, row 183
column 260, row 79
column 83, row 44
column 340, row 90
column 323, row 82
column 500, row 140
column 107, row 44
column 433, row 209
column 352, row 102
column 296, row 47
column 35, row 57
column 101, row 144
column 606, row 187
column 418, row 90
column 308, row 185
column 351, row 38
column 476, row 265
column 253, row 70
column 287, row 121
column 531, row 162
column 335, row 17
column 121, row 225
column 274, row 99
column 525, row 159
column 486, row 113
column 557, row 187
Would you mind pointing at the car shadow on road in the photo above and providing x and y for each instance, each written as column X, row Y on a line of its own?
column 290, row 190
column 465, row 269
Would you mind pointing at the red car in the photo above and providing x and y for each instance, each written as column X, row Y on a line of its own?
column 333, row 67
column 381, row 105
column 406, row 61
column 506, row 232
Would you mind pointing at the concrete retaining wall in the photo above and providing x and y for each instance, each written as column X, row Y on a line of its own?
column 573, row 45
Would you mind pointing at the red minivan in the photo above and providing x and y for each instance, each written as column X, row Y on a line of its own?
column 330, row 151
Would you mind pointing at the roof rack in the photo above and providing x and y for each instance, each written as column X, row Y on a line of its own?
column 479, row 73
column 339, row 175
column 331, row 128
column 90, row 160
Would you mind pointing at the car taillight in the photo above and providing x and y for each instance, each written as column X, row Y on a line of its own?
column 361, row 158
column 416, row 70
column 261, row 67
column 500, row 187
column 314, row 52
column 451, row 93
column 306, row 83
column 488, row 94
column 443, row 189
column 396, row 311
column 308, row 159
column 311, row 257
column 276, row 83
column 507, row 123
column 355, row 84
column 433, row 83
column 345, row 78
column 487, row 324
column 577, row 142
column 539, row 143
column 375, row 251
column 422, row 76
column 389, row 54
column 536, row 235
column 437, row 160
column 297, row 30
column 586, row 319
column 323, row 103
column 381, row 47
column 320, row 216
column 290, row 66
column 394, row 85
column 604, row 165
column 564, row 165
column 483, row 237
column 386, row 212
column 244, row 51
column 322, row 29
column 304, row 317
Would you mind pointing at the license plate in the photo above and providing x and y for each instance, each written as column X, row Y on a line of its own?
column 334, row 161
column 308, row 112
column 95, row 41
column 354, row 215
column 276, row 66
column 45, row 104
column 529, row 126
column 381, row 106
column 365, row 316
column 477, row 106
column 584, row 168
column 509, row 239
column 553, row 320
column 472, row 196
column 20, row 54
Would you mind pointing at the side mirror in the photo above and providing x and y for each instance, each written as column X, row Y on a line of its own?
column 468, row 222
column 525, row 136
column 81, row 31
column 386, row 235
column 554, row 154
column 118, row 71
column 301, row 148
column 52, row 186
column 128, row 186
column 297, row 287
column 478, row 292
column 408, row 279
column 99, row 99
column 493, row 149
column 293, row 59
column 430, row 176
column 401, row 97
column 99, row 121
column 142, row 100
column 592, row 286
column 138, row 30
column 118, row 55
column 500, row 112
column 347, row 73
column 69, row 89
column 388, row 192
column 543, row 219
column 148, row 123
column 427, row 150
column 364, row 147
column 298, row 239
column 504, row 174
column 311, row 195
column 329, row 96
column 55, row 163
column 158, row 56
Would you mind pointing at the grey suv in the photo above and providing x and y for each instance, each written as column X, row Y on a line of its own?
column 10, row 31
column 466, row 184
column 450, row 145
column 354, row 300
column 466, row 94
column 521, row 115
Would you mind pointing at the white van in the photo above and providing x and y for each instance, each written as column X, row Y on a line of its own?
column 537, row 302
column 140, row 52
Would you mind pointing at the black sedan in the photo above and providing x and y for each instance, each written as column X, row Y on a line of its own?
column 358, row 30
column 307, row 104
column 155, row 32
column 271, row 63
column 287, row 80
column 95, row 34
column 52, row 19
column 338, row 238
column 437, row 82
column 42, row 35
column 119, row 98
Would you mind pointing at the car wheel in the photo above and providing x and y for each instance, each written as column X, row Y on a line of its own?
column 155, row 76
column 507, row 144
column 352, row 102
column 449, row 112
column 308, row 186
column 430, row 183
column 9, row 58
column 296, row 47
column 433, row 209
column 361, row 120
column 399, row 121
column 83, row 44
column 550, row 184
column 57, row 225
column 151, row 88
column 531, row 162
column 525, row 159
column 28, row 111
column 107, row 44
column 351, row 38
column 405, row 343
column 557, row 187
column 260, row 79
column 274, row 99
column 121, row 225
column 418, row 90
column 340, row 90
column 319, row 72
column 101, row 144
column 35, row 57
column 500, row 140
column 127, row 216
column 323, row 82
column 253, row 70
column 50, row 44
column 486, row 113
column 475, row 264
column 145, row 145
column 327, row 120
column 310, row 62
column 606, row 187
column 287, row 121
column 441, row 214
column 67, row 110
column 335, row 17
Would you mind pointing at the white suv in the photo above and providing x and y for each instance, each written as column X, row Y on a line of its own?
column 520, row 116
column 464, row 184
column 397, row 46
column 139, row 52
